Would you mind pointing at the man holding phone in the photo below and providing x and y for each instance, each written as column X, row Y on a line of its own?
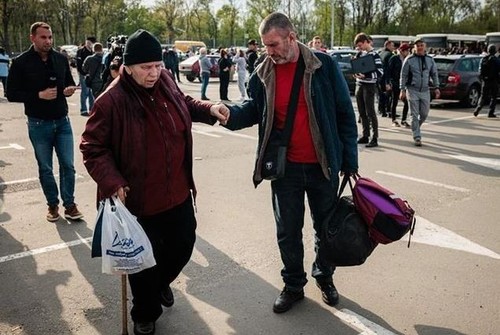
column 41, row 79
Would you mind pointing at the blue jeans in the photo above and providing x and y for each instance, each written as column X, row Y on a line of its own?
column 85, row 93
column 45, row 136
column 288, row 205
column 205, row 77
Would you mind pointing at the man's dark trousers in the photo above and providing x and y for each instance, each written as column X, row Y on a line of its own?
column 288, row 196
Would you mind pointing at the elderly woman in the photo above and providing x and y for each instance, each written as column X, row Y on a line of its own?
column 137, row 145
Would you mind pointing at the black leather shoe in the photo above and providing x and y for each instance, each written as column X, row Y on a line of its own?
column 144, row 328
column 286, row 299
column 363, row 140
column 373, row 143
column 329, row 293
column 167, row 297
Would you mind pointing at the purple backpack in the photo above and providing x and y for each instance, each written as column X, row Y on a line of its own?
column 388, row 216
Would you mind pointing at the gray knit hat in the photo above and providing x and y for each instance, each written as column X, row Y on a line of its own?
column 142, row 47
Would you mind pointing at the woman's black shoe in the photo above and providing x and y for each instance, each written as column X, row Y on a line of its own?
column 144, row 328
column 167, row 297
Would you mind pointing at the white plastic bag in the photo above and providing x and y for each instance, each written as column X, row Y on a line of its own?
column 125, row 246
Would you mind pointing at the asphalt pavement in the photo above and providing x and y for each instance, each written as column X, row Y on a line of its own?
column 446, row 283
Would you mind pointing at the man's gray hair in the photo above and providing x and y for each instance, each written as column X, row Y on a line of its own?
column 277, row 21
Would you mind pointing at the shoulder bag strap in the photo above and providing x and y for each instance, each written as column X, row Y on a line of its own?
column 294, row 98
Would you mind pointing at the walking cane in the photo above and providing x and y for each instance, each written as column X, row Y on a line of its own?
column 124, row 305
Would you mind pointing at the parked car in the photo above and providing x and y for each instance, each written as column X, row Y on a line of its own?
column 343, row 58
column 191, row 68
column 459, row 78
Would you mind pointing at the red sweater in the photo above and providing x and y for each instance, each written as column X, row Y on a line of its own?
column 301, row 147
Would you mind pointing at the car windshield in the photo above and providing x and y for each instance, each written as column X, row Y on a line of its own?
column 444, row 65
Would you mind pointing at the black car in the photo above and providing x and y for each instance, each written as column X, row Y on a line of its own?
column 459, row 78
column 343, row 58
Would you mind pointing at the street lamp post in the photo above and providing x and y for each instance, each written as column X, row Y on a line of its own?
column 332, row 28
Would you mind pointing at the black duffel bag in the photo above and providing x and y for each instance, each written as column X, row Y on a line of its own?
column 345, row 240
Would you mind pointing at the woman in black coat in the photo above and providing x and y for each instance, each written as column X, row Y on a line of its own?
column 224, row 70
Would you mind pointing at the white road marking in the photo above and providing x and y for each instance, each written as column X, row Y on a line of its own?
column 361, row 323
column 493, row 144
column 449, row 120
column 492, row 163
column 49, row 248
column 27, row 180
column 433, row 183
column 429, row 233
column 391, row 130
column 204, row 133
column 207, row 130
column 13, row 146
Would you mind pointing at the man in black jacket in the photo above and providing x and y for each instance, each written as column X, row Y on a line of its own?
column 85, row 93
column 251, row 55
column 490, row 74
column 41, row 79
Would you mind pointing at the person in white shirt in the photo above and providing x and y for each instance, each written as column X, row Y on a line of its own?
column 241, row 63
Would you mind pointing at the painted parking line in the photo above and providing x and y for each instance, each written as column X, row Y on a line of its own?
column 423, row 181
column 365, row 326
column 43, row 250
column 13, row 146
column 493, row 144
column 448, row 120
column 214, row 130
column 430, row 233
column 27, row 180
column 491, row 163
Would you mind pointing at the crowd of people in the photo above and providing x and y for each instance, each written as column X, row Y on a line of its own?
column 137, row 142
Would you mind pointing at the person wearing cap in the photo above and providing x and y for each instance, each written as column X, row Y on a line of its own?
column 418, row 70
column 137, row 145
column 393, row 72
column 489, row 72
column 251, row 55
column 83, row 52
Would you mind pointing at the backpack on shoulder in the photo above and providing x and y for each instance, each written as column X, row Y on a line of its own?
column 389, row 217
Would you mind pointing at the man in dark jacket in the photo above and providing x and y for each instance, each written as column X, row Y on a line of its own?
column 383, row 95
column 41, row 79
column 137, row 145
column 85, row 92
column 323, row 143
column 392, row 75
column 490, row 74
column 93, row 66
column 251, row 55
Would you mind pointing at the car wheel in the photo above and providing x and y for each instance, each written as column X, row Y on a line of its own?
column 472, row 98
column 190, row 78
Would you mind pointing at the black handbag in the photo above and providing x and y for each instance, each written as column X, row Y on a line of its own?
column 274, row 156
column 344, row 239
